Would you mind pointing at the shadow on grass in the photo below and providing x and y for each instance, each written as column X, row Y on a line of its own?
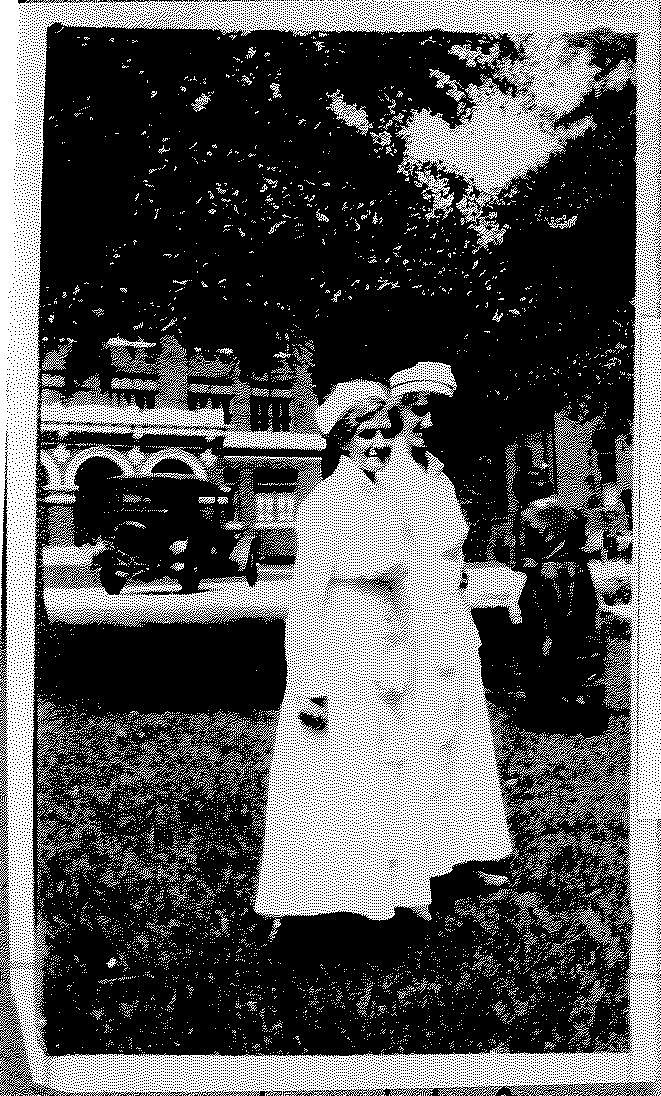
column 165, row 667
column 234, row 666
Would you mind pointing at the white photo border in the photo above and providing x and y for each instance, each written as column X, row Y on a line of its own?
column 211, row 1073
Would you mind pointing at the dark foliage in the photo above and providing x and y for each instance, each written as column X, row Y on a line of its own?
column 565, row 277
column 205, row 183
column 234, row 199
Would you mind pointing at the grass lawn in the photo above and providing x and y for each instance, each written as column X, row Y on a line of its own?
column 149, row 839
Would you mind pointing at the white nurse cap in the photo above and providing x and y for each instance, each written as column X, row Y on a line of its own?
column 347, row 396
column 424, row 377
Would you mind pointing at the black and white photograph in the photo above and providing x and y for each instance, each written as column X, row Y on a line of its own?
column 337, row 507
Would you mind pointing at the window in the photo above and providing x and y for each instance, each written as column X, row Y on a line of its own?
column 210, row 392
column 275, row 495
column 131, row 398
column 137, row 390
column 278, row 373
column 269, row 413
column 280, row 413
column 197, row 401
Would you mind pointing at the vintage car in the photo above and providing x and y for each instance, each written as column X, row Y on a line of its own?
column 165, row 525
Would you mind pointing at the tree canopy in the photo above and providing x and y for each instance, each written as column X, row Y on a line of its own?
column 241, row 186
column 208, row 178
column 563, row 273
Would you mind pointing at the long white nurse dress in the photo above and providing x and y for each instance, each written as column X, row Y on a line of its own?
column 357, row 816
column 447, row 676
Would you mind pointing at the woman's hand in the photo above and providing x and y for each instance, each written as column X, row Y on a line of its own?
column 519, row 580
column 396, row 574
column 241, row 550
column 312, row 713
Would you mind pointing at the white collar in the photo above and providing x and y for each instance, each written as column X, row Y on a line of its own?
column 434, row 465
column 404, row 452
column 353, row 476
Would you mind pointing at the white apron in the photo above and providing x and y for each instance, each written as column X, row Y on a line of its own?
column 356, row 817
column 448, row 696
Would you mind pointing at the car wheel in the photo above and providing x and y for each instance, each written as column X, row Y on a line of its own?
column 111, row 581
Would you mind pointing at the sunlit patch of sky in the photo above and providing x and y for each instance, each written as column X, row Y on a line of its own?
column 201, row 102
column 350, row 114
column 501, row 142
column 506, row 137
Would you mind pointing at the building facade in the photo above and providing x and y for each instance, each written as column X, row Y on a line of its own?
column 146, row 408
column 154, row 408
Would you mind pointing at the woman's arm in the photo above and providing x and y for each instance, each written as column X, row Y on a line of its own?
column 313, row 569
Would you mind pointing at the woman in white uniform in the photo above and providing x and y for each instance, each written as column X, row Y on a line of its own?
column 358, row 816
column 445, row 638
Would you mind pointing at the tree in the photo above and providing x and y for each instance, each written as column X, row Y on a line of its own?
column 218, row 184
column 244, row 186
column 562, row 278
